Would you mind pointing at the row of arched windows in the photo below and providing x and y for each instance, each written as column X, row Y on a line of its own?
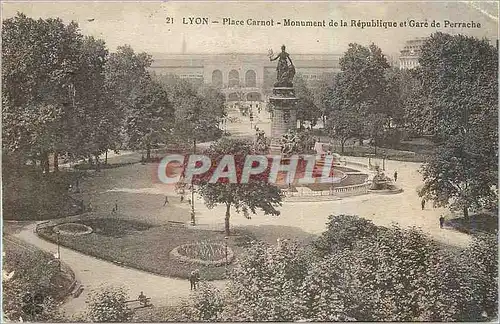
column 234, row 78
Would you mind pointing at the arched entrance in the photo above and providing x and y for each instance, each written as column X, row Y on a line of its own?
column 217, row 78
column 251, row 79
column 233, row 78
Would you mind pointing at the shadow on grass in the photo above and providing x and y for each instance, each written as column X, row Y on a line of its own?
column 478, row 223
column 86, row 166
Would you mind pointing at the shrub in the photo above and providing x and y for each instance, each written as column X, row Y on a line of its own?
column 107, row 304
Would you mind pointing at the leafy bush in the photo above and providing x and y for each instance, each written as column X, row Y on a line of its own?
column 365, row 273
column 205, row 304
column 107, row 304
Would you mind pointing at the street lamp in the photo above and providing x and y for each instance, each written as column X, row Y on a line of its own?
column 383, row 160
column 193, row 221
column 59, row 249
column 225, row 246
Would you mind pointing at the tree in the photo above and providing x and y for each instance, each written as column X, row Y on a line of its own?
column 247, row 197
column 149, row 115
column 150, row 118
column 343, row 123
column 359, row 97
column 54, row 96
column 198, row 112
column 307, row 110
column 459, row 76
column 107, row 304
column 376, row 274
column 343, row 231
column 40, row 58
column 265, row 284
column 206, row 304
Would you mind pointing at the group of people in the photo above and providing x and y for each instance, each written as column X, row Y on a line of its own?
column 181, row 199
column 422, row 203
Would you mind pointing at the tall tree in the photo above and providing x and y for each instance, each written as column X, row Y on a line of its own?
column 360, row 94
column 39, row 58
column 307, row 110
column 257, row 193
column 459, row 76
column 148, row 113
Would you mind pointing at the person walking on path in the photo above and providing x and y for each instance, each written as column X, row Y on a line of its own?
column 182, row 199
column 166, row 201
column 395, row 176
column 423, row 204
column 441, row 221
column 194, row 277
column 115, row 208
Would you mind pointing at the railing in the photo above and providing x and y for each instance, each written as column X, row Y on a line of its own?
column 339, row 191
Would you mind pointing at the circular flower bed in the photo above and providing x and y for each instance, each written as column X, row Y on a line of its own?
column 72, row 229
column 204, row 253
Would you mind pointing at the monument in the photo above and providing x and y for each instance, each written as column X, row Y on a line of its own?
column 282, row 103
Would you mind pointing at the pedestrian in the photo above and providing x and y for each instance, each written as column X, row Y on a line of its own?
column 189, row 201
column 441, row 221
column 395, row 176
column 166, row 201
column 423, row 204
column 194, row 277
column 182, row 198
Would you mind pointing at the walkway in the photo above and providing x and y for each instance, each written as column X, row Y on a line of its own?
column 93, row 272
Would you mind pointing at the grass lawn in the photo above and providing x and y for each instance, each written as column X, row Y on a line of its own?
column 31, row 195
column 145, row 246
column 35, row 271
column 478, row 223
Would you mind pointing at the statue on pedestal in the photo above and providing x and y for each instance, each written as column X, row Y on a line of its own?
column 285, row 72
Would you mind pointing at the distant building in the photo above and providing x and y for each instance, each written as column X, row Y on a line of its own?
column 241, row 76
column 409, row 55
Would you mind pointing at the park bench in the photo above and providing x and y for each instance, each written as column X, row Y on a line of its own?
column 143, row 302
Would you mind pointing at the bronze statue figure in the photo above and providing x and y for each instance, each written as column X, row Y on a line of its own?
column 285, row 72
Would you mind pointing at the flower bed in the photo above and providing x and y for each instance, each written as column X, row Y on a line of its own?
column 72, row 229
column 204, row 253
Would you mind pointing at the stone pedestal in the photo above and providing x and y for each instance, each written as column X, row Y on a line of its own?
column 283, row 107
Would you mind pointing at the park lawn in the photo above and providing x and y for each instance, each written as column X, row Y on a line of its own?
column 146, row 247
column 477, row 223
column 32, row 195
column 35, row 271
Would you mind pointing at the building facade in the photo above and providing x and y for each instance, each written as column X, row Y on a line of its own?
column 410, row 53
column 241, row 76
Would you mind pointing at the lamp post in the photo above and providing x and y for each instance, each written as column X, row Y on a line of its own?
column 383, row 160
column 225, row 246
column 193, row 221
column 59, row 249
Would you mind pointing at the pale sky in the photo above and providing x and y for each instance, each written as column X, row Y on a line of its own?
column 143, row 25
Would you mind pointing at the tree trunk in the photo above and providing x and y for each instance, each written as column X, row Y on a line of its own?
column 148, row 153
column 226, row 220
column 106, row 158
column 342, row 143
column 56, row 162
column 45, row 162
column 466, row 213
column 97, row 168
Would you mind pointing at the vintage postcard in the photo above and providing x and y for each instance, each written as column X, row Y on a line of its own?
column 250, row 161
